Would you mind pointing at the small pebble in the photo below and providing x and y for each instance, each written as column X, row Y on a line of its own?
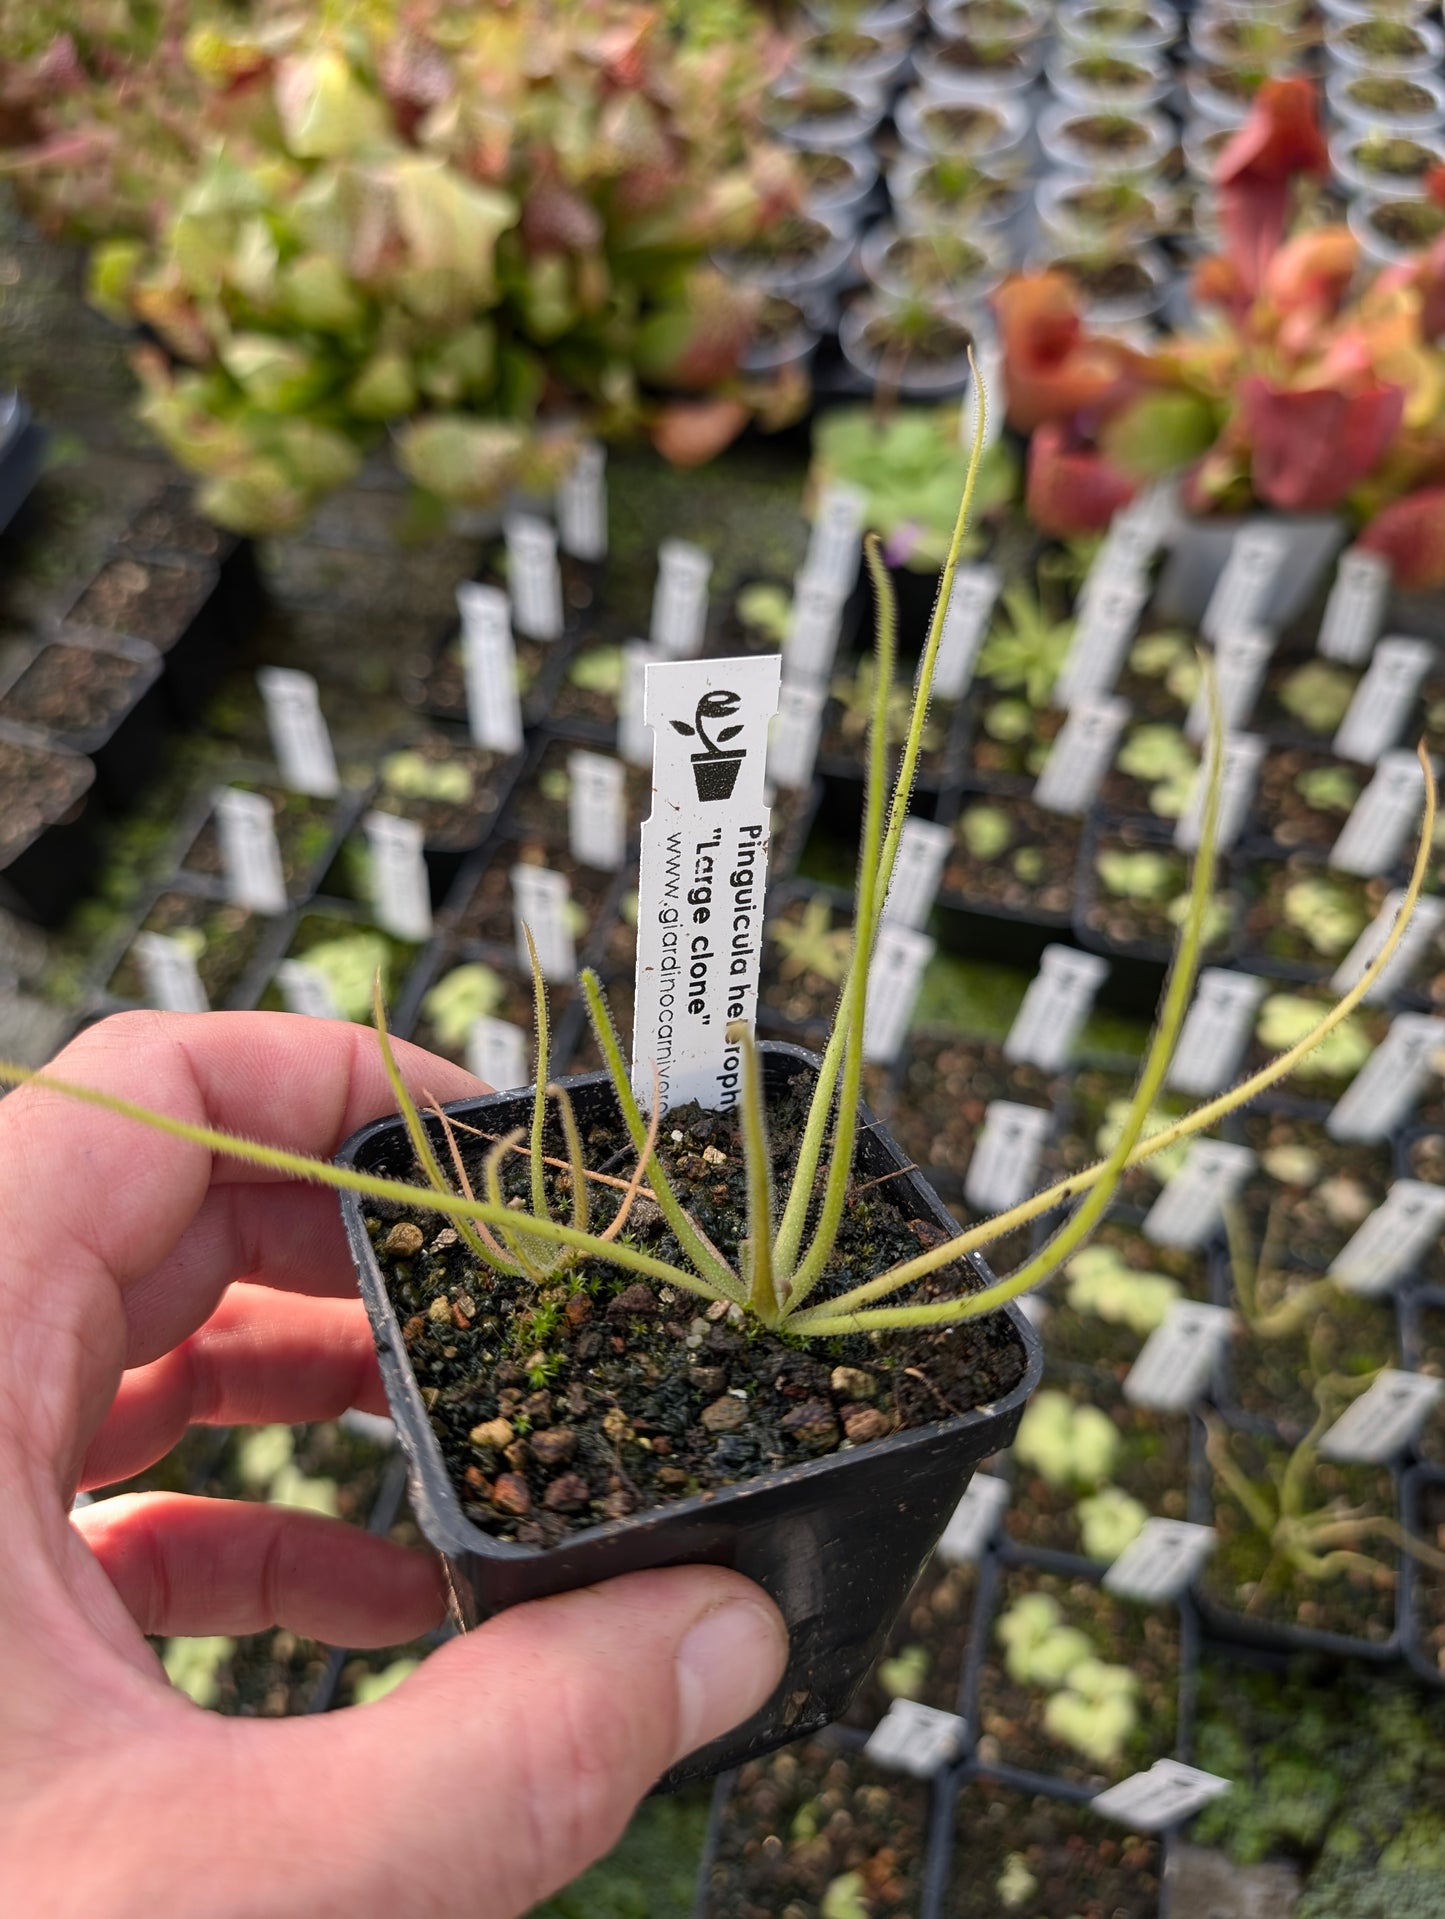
column 554, row 1447
column 636, row 1303
column 510, row 1495
column 578, row 1309
column 538, row 1406
column 440, row 1311
column 714, row 1157
column 498, row 1433
column 404, row 1240
column 851, row 1382
column 569, row 1494
column 812, row 1424
column 725, row 1415
column 866, row 1422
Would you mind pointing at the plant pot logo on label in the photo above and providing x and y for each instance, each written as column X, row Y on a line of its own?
column 715, row 768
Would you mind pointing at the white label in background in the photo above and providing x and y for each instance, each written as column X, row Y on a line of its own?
column 168, row 969
column 900, row 957
column 1373, row 837
column 970, row 607
column 1081, row 755
column 1138, row 530
column 582, row 505
column 1160, row 1561
column 1383, row 699
column 1424, row 924
column 793, row 742
column 489, row 664
column 1005, row 1165
column 968, row 1534
column 1176, row 1362
column 703, row 876
column 542, row 901
column 368, row 1426
column 1109, row 609
column 813, row 629
column 1216, row 1031
column 1055, row 1007
column 915, row 1739
column 835, row 545
column 922, row 851
column 533, row 576
column 1164, row 1796
column 1243, row 753
column 250, row 855
column 597, row 810
column 1390, row 1243
column 1384, row 1419
column 400, row 889
column 1243, row 588
column 1356, row 606
column 1387, row 1086
column 306, row 990
column 634, row 736
column 1191, row 1204
column 497, row 1054
column 299, row 738
column 679, row 600
column 1240, row 658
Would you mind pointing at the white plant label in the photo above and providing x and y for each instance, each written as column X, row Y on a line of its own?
column 306, row 990
column 634, row 736
column 900, row 958
column 250, row 853
column 969, row 1533
column 1387, row 1086
column 542, row 901
column 597, row 810
column 813, row 629
column 1057, row 1003
column 835, row 544
column 970, row 607
column 1216, row 1031
column 1004, row 1168
column 793, row 741
column 679, row 600
column 489, row 666
column 497, row 1054
column 1382, row 818
column 1138, row 530
column 1384, row 1419
column 168, row 969
column 922, row 853
column 582, row 505
column 1176, row 1362
column 1109, row 609
column 1240, row 659
column 1377, row 714
column 534, row 576
column 915, row 1739
column 1242, row 590
column 400, row 889
column 1390, row 1243
column 1167, row 1794
column 1160, row 1561
column 1243, row 753
column 1356, row 606
column 299, row 738
column 1424, row 924
column 1192, row 1202
column 703, row 876
column 1081, row 755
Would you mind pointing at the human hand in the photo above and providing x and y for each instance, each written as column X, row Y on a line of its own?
column 145, row 1287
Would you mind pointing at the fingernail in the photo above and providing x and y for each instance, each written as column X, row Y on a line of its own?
column 727, row 1665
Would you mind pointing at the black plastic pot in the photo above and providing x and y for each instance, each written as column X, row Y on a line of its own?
column 1425, row 1480
column 837, row 1542
column 45, row 874
column 127, row 746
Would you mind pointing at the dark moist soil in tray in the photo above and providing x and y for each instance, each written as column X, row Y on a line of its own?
column 1429, row 1592
column 140, row 597
column 1324, row 1198
column 1082, row 1866
column 1397, row 156
column 1092, row 1092
column 539, row 803
column 926, row 1649
column 634, row 1415
column 171, row 524
column 1032, row 873
column 1151, row 1465
column 231, row 934
column 516, row 1007
column 845, row 738
column 589, row 689
column 1146, row 926
column 1105, row 279
column 1010, row 1720
column 1086, row 1344
column 1272, row 1378
column 40, row 788
column 1303, row 799
column 319, row 928
column 271, row 1675
column 304, row 828
column 437, row 684
column 487, row 913
column 1358, row 1602
column 449, row 825
column 801, row 1819
column 355, row 1466
column 795, row 992
column 1343, row 905
column 1314, row 1085
column 999, row 751
column 73, row 689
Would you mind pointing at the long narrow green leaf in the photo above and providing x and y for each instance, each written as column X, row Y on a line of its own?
column 539, row 1095
column 763, row 1295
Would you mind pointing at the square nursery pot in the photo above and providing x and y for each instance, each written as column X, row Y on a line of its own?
column 97, row 694
column 1202, row 547
column 48, row 847
column 177, row 607
column 22, row 452
column 837, row 1542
